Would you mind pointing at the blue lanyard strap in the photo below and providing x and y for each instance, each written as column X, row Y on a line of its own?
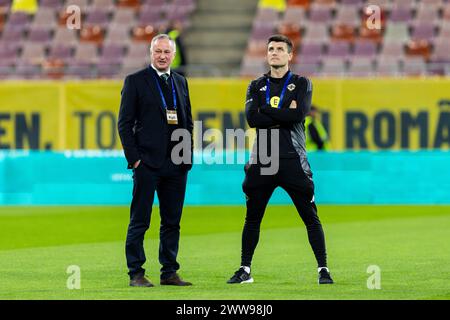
column 282, row 91
column 162, row 95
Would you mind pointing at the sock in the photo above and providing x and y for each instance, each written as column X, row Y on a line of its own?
column 246, row 269
column 320, row 268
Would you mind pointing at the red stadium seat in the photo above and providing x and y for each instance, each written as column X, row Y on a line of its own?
column 374, row 35
column 256, row 49
column 2, row 21
column 343, row 32
column 53, row 68
column 144, row 33
column 298, row 3
column 135, row 4
column 419, row 48
column 291, row 31
column 93, row 34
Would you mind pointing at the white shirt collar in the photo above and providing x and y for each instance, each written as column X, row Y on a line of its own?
column 159, row 72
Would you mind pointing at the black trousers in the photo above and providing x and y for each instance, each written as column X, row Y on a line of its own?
column 258, row 190
column 169, row 182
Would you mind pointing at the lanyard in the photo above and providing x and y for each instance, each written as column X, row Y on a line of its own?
column 282, row 91
column 162, row 94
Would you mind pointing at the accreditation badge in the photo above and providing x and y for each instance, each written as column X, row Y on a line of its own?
column 172, row 116
column 274, row 101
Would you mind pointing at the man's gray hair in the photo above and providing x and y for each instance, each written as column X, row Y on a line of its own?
column 163, row 36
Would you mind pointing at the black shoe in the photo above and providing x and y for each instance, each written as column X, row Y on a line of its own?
column 325, row 277
column 241, row 276
column 140, row 281
column 175, row 280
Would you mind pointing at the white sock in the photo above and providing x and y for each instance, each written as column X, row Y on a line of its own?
column 246, row 269
column 318, row 270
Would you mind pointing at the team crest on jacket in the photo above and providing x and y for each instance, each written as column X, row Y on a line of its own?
column 291, row 87
column 263, row 88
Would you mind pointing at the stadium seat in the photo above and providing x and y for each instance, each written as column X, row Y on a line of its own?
column 80, row 70
column 97, row 17
column 33, row 53
column 387, row 66
column 86, row 53
column 293, row 32
column 8, row 54
column 414, row 66
column 396, row 32
column 118, row 34
column 50, row 4
column 427, row 14
column 2, row 21
column 316, row 32
column 151, row 16
column 267, row 15
column 333, row 67
column 18, row 18
column 92, row 34
column 392, row 49
column 306, row 69
column 112, row 53
column 356, row 3
column 343, row 32
column 364, row 48
column 320, row 14
column 5, row 6
column 61, row 52
column 27, row 70
column 64, row 36
column 132, row 4
column 438, row 3
column 338, row 49
column 41, row 35
column 419, row 47
column 298, row 3
column 252, row 68
column 361, row 67
column 294, row 16
column 13, row 34
column 261, row 31
column 400, row 14
column 53, row 68
column 310, row 53
column 107, row 5
column 45, row 17
column 374, row 35
column 82, row 4
column 125, row 17
column 324, row 3
column 143, row 33
column 423, row 31
column 347, row 15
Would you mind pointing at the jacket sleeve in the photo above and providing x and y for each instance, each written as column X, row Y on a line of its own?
column 127, row 117
column 255, row 118
column 288, row 115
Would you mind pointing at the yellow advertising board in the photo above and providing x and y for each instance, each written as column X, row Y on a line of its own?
column 359, row 114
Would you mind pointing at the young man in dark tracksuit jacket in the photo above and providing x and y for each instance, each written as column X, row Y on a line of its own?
column 277, row 104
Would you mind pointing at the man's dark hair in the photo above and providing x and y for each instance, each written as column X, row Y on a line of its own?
column 281, row 38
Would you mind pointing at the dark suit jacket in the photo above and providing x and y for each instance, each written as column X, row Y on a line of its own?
column 142, row 122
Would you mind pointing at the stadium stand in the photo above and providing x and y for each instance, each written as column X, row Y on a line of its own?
column 332, row 38
column 112, row 41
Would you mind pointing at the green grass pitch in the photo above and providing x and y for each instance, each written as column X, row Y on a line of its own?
column 410, row 245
